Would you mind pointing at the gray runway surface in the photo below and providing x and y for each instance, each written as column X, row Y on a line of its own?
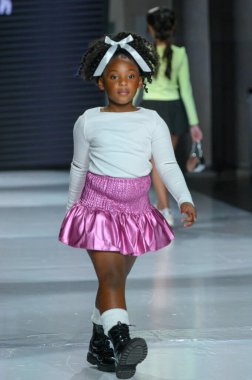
column 191, row 301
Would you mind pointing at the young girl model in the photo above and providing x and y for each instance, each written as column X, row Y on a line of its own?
column 170, row 92
column 109, row 213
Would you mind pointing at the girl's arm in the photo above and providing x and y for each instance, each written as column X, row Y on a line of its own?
column 186, row 90
column 166, row 164
column 80, row 163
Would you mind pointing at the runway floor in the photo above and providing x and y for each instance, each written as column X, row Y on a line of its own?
column 191, row 301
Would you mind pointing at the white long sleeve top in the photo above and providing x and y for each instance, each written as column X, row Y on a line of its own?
column 121, row 144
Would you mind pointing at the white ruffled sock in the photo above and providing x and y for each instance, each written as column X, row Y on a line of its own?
column 111, row 317
column 96, row 317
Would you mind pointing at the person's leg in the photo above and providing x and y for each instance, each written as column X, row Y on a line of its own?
column 112, row 269
column 130, row 261
column 100, row 353
column 160, row 189
column 175, row 140
column 163, row 204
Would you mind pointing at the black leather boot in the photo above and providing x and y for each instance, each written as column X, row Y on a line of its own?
column 100, row 353
column 128, row 352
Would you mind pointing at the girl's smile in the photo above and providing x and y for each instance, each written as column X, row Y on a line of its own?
column 120, row 81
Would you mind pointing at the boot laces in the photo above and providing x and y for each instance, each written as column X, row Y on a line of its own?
column 106, row 348
column 122, row 331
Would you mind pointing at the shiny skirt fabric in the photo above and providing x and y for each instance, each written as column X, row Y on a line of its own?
column 115, row 214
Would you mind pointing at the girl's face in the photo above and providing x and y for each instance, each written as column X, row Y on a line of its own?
column 120, row 80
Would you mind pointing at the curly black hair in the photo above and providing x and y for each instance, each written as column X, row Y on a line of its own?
column 98, row 48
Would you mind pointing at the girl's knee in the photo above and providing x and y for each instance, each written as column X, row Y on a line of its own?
column 112, row 279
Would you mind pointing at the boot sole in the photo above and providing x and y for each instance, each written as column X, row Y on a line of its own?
column 134, row 353
column 101, row 367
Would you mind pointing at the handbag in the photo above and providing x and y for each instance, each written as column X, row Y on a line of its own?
column 196, row 161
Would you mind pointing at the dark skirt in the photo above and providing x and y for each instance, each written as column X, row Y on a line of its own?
column 115, row 214
column 172, row 111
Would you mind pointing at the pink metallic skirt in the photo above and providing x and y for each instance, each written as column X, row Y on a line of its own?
column 115, row 214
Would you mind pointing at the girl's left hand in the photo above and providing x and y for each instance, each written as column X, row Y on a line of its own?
column 191, row 214
column 196, row 133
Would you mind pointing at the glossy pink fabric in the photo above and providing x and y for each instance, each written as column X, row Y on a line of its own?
column 115, row 214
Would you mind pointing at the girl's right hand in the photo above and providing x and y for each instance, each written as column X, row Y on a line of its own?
column 191, row 214
column 196, row 133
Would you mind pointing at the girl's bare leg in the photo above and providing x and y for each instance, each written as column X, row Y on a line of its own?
column 112, row 269
column 174, row 139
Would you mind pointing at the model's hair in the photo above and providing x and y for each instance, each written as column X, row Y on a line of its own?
column 98, row 48
column 163, row 21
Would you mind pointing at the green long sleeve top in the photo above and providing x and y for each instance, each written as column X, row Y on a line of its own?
column 179, row 85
